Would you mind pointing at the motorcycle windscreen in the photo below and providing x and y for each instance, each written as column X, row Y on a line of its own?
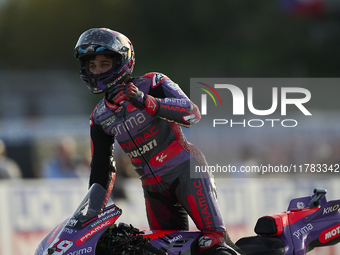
column 81, row 230
column 91, row 204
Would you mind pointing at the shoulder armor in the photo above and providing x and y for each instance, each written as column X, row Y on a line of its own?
column 98, row 111
column 156, row 78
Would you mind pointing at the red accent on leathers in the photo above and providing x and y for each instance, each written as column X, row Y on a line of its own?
column 151, row 180
column 194, row 209
column 152, row 219
column 172, row 150
column 109, row 189
column 150, row 105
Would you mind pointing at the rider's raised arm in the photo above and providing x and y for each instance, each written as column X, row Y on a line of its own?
column 171, row 102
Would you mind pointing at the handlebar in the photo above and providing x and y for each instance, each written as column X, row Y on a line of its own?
column 130, row 230
column 319, row 194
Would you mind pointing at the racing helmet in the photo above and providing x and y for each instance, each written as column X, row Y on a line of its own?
column 97, row 41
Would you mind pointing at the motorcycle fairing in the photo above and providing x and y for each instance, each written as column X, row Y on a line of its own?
column 175, row 241
column 80, row 232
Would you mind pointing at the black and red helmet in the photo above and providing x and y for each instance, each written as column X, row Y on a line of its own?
column 105, row 41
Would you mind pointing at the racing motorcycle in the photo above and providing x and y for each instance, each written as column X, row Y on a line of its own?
column 309, row 222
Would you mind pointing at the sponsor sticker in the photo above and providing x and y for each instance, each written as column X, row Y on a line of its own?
column 329, row 234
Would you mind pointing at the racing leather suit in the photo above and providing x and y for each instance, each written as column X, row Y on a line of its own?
column 160, row 154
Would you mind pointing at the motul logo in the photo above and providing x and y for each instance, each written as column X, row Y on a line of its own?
column 329, row 234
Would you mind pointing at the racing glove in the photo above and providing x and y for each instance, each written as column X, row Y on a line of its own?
column 136, row 97
column 116, row 94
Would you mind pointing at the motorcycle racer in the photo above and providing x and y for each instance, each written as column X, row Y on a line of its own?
column 145, row 114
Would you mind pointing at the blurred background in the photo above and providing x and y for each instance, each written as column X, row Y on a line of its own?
column 42, row 97
column 45, row 107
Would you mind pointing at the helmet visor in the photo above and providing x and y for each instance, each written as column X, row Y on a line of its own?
column 90, row 40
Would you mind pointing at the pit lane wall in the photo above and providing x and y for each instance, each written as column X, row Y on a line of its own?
column 30, row 209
